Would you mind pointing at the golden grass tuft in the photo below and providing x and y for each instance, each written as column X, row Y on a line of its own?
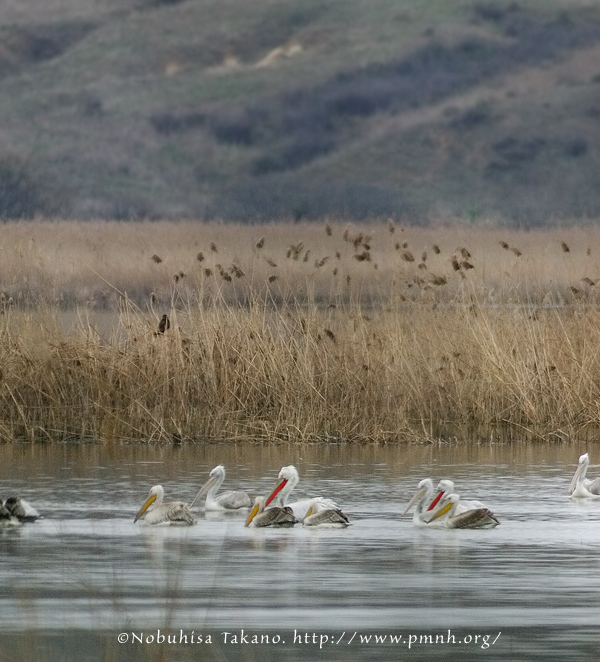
column 505, row 350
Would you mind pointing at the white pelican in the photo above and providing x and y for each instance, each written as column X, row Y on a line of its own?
column 446, row 486
column 288, row 479
column 274, row 516
column 226, row 500
column 475, row 518
column 422, row 497
column 321, row 516
column 582, row 487
column 7, row 518
column 21, row 509
column 157, row 512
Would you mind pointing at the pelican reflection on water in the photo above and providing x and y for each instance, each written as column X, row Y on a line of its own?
column 155, row 512
column 226, row 501
column 582, row 487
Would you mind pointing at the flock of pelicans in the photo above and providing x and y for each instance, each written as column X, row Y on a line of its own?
column 441, row 508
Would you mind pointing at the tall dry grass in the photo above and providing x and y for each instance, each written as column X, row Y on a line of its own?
column 93, row 265
column 380, row 334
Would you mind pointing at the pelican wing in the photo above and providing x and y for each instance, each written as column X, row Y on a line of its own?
column 175, row 513
column 276, row 517
column 178, row 512
column 273, row 516
column 233, row 500
column 594, row 487
column 476, row 518
column 449, row 514
column 156, row 512
column 330, row 517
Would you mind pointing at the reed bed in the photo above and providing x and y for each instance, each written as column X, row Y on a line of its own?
column 382, row 334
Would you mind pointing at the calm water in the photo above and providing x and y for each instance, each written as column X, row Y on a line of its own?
column 70, row 583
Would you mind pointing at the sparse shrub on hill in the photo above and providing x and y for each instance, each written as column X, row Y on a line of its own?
column 172, row 122
column 25, row 193
column 21, row 45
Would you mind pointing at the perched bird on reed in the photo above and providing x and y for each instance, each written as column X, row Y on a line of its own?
column 164, row 324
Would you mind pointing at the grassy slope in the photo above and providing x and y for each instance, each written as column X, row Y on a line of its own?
column 236, row 109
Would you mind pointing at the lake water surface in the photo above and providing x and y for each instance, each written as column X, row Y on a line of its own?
column 72, row 582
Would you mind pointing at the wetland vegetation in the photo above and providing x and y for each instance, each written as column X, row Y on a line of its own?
column 297, row 332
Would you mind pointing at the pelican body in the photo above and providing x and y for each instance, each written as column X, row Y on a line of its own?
column 156, row 512
column 321, row 516
column 274, row 516
column 421, row 499
column 474, row 518
column 21, row 509
column 582, row 487
column 288, row 479
column 226, row 501
column 7, row 518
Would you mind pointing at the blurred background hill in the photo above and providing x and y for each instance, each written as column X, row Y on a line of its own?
column 301, row 109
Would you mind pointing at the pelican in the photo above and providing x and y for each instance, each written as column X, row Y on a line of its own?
column 227, row 500
column 422, row 497
column 288, row 479
column 582, row 487
column 475, row 518
column 21, row 509
column 446, row 486
column 7, row 518
column 274, row 516
column 321, row 516
column 157, row 512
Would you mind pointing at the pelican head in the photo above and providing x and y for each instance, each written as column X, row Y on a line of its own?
column 154, row 499
column 445, row 486
column 447, row 505
column 579, row 477
column 288, row 479
column 424, row 488
column 218, row 472
column 215, row 478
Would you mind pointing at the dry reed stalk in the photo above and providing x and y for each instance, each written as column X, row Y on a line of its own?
column 231, row 373
column 237, row 363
